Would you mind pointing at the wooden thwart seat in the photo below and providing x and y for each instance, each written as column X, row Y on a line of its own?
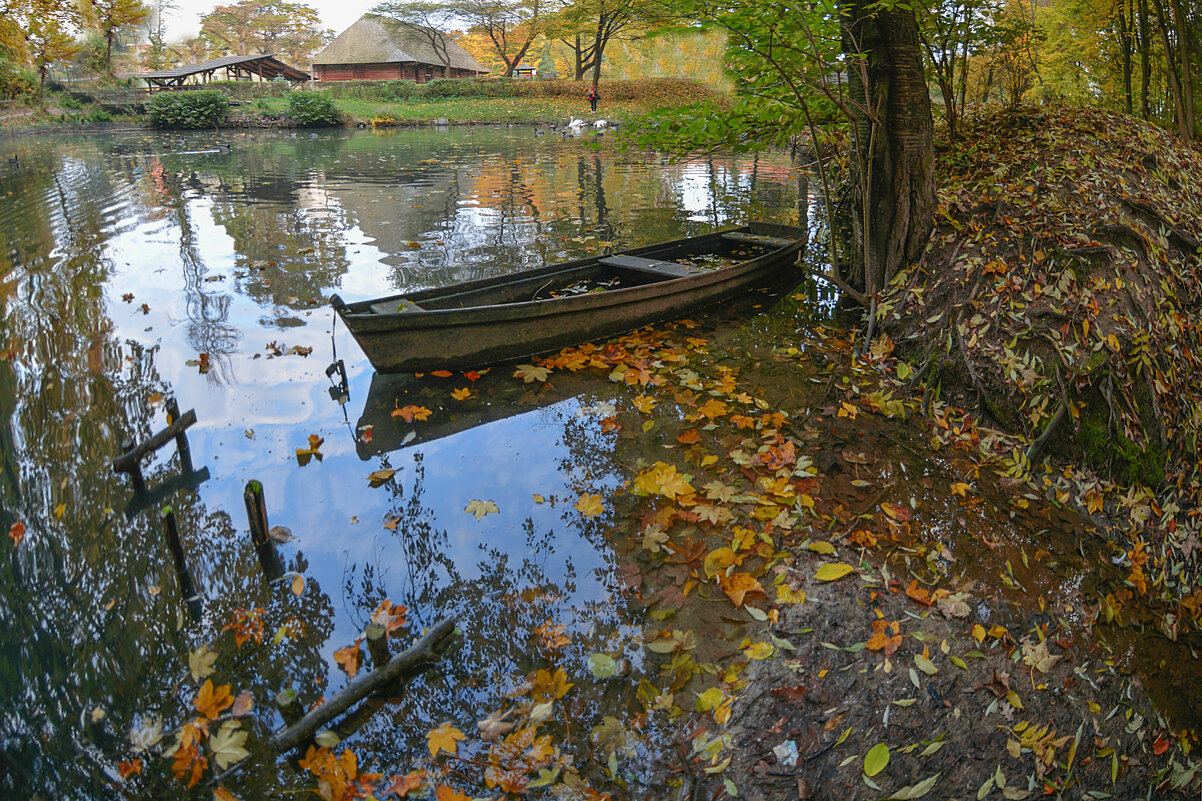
column 669, row 269
column 755, row 239
column 393, row 306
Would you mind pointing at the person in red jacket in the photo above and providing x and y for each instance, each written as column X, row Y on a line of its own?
column 593, row 97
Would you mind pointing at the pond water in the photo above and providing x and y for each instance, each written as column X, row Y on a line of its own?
column 141, row 267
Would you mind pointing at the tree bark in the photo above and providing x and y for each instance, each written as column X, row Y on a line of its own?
column 893, row 136
column 1145, row 50
column 1125, row 39
column 1184, row 130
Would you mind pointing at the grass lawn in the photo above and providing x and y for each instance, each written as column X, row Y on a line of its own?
column 476, row 109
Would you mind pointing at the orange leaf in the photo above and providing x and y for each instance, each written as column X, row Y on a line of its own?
column 127, row 769
column 211, row 701
column 881, row 640
column 461, row 394
column 1161, row 745
column 410, row 413
column 898, row 513
column 690, row 437
column 444, row 739
column 17, row 533
column 441, row 373
column 451, row 794
column 918, row 593
column 401, row 785
column 738, row 586
column 350, row 658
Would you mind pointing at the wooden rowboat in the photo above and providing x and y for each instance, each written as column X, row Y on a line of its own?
column 544, row 310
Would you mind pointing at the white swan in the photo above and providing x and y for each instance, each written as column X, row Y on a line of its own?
column 575, row 123
column 601, row 124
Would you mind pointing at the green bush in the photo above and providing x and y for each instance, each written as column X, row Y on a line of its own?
column 249, row 90
column 99, row 115
column 206, row 108
column 69, row 102
column 313, row 109
column 17, row 83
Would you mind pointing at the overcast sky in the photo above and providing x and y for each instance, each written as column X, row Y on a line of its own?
column 335, row 14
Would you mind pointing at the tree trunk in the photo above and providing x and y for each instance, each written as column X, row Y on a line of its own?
column 1125, row 40
column 1145, row 49
column 1185, row 58
column 1184, row 130
column 893, row 136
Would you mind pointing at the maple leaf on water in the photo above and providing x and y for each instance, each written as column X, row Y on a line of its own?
column 712, row 409
column 550, row 685
column 481, row 508
column 227, row 745
column 127, row 769
column 662, row 479
column 400, row 786
column 210, row 701
column 445, row 793
column 444, row 738
column 738, row 586
column 409, row 413
column 350, row 658
column 529, row 373
column 461, row 394
column 243, row 704
column 246, row 625
column 16, row 532
column 590, row 505
column 644, row 403
column 189, row 763
column 881, row 639
column 390, row 616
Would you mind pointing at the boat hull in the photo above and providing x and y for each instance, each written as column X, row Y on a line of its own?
column 457, row 338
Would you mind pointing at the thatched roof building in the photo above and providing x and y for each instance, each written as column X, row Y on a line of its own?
column 380, row 48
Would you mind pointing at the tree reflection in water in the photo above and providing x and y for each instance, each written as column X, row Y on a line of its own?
column 127, row 256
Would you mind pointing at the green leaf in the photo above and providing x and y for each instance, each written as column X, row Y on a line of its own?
column 602, row 666
column 876, row 759
column 915, row 790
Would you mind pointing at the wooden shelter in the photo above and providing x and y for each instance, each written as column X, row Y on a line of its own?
column 235, row 68
column 380, row 48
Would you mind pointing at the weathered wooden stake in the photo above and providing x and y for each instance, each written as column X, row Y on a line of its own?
column 256, row 513
column 377, row 644
column 181, row 438
column 289, row 706
column 128, row 446
column 186, row 586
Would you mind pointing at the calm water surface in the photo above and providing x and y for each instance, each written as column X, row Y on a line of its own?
column 131, row 262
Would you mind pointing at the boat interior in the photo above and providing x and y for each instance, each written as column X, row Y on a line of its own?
column 606, row 273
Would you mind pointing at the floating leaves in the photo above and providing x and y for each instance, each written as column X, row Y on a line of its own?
column 380, row 477
column 479, row 509
column 16, row 532
column 530, row 373
column 444, row 739
column 410, row 412
column 200, row 662
column 350, row 658
column 886, row 636
column 303, row 455
column 228, row 745
column 590, row 505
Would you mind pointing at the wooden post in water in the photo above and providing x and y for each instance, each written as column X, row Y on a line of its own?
column 128, row 446
column 256, row 513
column 181, row 438
column 289, row 706
column 377, row 644
column 186, row 586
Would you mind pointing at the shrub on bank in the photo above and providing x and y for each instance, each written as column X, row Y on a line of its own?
column 666, row 90
column 206, row 108
column 249, row 90
column 17, row 83
column 312, row 109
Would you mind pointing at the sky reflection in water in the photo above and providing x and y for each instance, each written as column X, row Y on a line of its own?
column 235, row 254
